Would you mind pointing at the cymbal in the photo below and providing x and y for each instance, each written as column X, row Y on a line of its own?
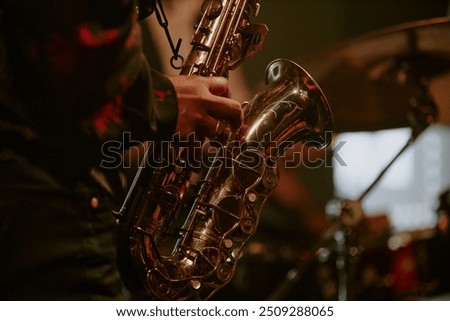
column 370, row 80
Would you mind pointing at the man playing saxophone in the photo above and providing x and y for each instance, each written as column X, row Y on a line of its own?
column 72, row 77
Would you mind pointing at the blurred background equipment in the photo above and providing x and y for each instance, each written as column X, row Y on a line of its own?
column 357, row 51
column 373, row 81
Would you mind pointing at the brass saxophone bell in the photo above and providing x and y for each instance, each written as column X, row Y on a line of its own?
column 180, row 238
column 291, row 108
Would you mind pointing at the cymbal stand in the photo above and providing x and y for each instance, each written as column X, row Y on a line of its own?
column 339, row 234
column 422, row 113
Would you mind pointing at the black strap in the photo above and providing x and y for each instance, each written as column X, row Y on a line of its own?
column 164, row 23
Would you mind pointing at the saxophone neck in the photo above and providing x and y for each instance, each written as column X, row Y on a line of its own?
column 224, row 37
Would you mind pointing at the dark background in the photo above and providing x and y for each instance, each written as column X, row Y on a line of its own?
column 303, row 27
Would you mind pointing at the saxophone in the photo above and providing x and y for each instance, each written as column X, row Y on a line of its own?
column 182, row 230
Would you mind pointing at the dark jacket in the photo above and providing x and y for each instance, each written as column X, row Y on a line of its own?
column 72, row 77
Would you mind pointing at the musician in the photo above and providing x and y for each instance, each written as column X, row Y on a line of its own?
column 72, row 77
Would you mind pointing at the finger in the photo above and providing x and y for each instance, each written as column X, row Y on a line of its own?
column 216, row 130
column 228, row 110
column 219, row 86
column 211, row 127
column 222, row 131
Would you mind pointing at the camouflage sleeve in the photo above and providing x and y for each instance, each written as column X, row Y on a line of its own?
column 84, row 62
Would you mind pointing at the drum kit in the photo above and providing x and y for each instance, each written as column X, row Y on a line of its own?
column 370, row 81
column 392, row 78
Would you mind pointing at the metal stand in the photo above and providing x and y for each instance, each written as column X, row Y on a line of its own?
column 422, row 113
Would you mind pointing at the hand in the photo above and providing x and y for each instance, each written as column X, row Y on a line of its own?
column 202, row 103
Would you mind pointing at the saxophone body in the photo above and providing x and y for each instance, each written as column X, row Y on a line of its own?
column 182, row 231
